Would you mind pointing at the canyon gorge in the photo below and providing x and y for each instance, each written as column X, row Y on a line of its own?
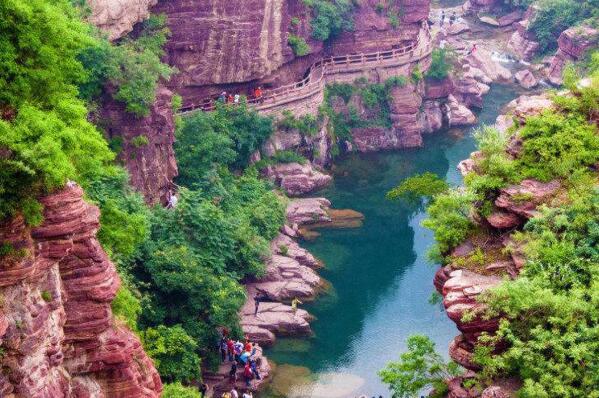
column 286, row 199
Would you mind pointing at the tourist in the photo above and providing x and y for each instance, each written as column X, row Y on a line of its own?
column 222, row 97
column 248, row 374
column 254, row 367
column 254, row 349
column 230, row 99
column 442, row 17
column 294, row 304
column 226, row 395
column 247, row 394
column 236, row 98
column 203, row 388
column 172, row 200
column 258, row 94
column 233, row 373
column 234, row 393
column 223, row 348
column 473, row 49
column 244, row 357
column 231, row 349
column 257, row 300
column 452, row 18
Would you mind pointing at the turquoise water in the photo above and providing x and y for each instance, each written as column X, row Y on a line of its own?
column 380, row 276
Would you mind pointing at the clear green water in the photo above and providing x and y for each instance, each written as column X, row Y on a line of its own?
column 381, row 279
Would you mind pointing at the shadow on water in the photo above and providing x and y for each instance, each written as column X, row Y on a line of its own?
column 381, row 279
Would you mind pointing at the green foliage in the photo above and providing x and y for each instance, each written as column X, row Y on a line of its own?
column 427, row 184
column 554, row 16
column 46, row 296
column 177, row 390
column 298, row 45
column 295, row 21
column 39, row 42
column 396, row 81
column 342, row 90
column 126, row 307
column 307, row 124
column 188, row 271
column 140, row 140
column 394, row 20
column 419, row 368
column 173, row 352
column 124, row 218
column 556, row 145
column 176, row 103
column 440, row 64
column 225, row 137
column 330, row 17
column 133, row 66
column 417, row 75
column 449, row 219
column 288, row 157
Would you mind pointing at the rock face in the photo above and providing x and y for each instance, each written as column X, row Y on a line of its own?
column 297, row 179
column 308, row 211
column 522, row 42
column 459, row 297
column 117, row 17
column 458, row 114
column 147, row 144
column 524, row 198
column 56, row 326
column 573, row 43
column 526, row 79
column 482, row 59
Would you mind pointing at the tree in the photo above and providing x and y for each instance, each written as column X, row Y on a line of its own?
column 174, row 353
column 177, row 390
column 426, row 184
column 419, row 368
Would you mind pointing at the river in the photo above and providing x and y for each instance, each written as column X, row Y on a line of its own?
column 381, row 279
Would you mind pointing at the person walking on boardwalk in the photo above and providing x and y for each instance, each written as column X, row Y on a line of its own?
column 257, row 299
column 231, row 349
column 233, row 373
column 258, row 94
column 294, row 304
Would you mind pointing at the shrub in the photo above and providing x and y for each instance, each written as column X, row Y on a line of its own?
column 440, row 64
column 173, row 352
column 288, row 157
column 176, row 103
column 343, row 90
column 177, row 390
column 46, row 296
column 298, row 44
column 421, row 367
column 140, row 140
column 330, row 17
column 395, row 81
column 126, row 307
column 295, row 21
column 427, row 184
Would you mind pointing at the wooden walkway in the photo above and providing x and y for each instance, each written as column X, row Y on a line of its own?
column 315, row 82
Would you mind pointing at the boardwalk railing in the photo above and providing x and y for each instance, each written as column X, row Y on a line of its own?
column 315, row 81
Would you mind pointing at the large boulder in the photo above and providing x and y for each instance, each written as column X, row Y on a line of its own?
column 458, row 114
column 522, row 42
column 295, row 178
column 117, row 17
column 524, row 198
column 308, row 211
column 483, row 59
column 526, row 79
column 573, row 43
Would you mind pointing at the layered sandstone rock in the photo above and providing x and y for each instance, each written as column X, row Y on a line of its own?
column 117, row 17
column 458, row 114
column 295, row 178
column 57, row 329
column 573, row 43
column 308, row 211
column 524, row 198
column 526, row 79
column 147, row 144
column 522, row 42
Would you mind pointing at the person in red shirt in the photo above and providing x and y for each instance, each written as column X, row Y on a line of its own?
column 231, row 350
column 247, row 374
column 258, row 94
column 248, row 346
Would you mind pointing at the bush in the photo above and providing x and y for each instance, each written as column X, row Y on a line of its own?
column 177, row 390
column 440, row 64
column 126, row 307
column 140, row 140
column 427, row 184
column 421, row 367
column 173, row 352
column 330, row 17
column 298, row 44
column 288, row 157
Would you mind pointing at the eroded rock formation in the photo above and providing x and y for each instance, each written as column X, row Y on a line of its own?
column 57, row 330
column 573, row 44
column 117, row 17
column 295, row 178
column 147, row 144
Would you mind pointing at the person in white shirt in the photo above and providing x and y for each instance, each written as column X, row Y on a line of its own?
column 247, row 394
column 234, row 393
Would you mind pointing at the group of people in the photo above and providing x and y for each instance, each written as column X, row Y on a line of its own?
column 241, row 355
column 452, row 19
column 230, row 98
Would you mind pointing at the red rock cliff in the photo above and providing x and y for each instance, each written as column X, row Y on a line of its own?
column 219, row 45
column 57, row 330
